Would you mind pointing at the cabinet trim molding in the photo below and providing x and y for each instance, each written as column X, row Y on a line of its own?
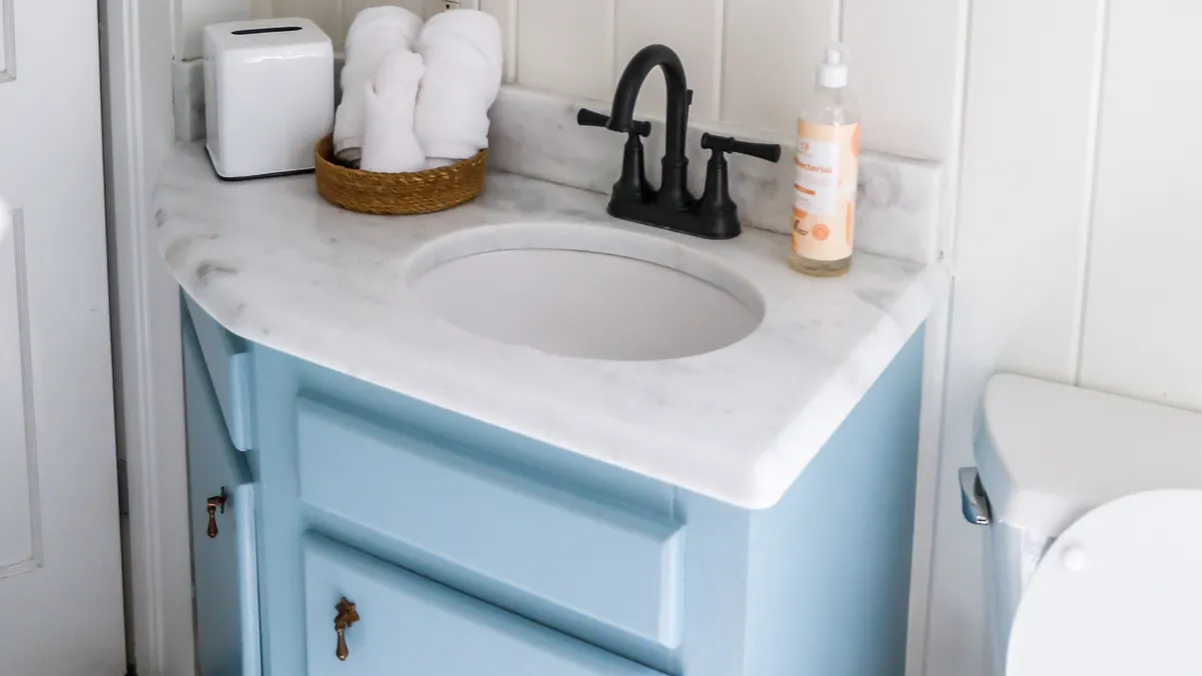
column 481, row 515
column 34, row 560
column 8, row 43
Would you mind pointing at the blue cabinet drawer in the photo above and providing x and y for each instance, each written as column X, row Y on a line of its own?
column 224, row 555
column 406, row 624
column 612, row 564
column 227, row 360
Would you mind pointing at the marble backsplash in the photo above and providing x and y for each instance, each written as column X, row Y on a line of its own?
column 534, row 133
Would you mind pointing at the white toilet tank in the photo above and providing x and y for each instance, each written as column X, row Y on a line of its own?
column 1048, row 454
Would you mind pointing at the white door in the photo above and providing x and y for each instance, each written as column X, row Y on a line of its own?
column 60, row 549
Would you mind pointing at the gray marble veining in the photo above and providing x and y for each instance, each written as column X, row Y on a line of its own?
column 275, row 264
column 534, row 133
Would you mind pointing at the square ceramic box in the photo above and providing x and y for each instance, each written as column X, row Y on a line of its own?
column 269, row 95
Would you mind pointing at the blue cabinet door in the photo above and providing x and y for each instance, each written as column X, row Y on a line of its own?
column 619, row 566
column 406, row 624
column 223, row 545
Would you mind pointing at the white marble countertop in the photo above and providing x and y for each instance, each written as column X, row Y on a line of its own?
column 275, row 264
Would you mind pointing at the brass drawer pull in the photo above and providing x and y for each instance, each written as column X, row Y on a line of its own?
column 214, row 503
column 346, row 618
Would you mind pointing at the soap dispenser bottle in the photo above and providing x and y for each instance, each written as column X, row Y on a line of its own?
column 827, row 166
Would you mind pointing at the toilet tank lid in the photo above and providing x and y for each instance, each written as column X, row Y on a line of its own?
column 1048, row 453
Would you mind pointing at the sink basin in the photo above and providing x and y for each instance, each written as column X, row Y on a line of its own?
column 585, row 291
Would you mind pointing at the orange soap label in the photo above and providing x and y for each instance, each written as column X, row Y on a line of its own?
column 824, row 192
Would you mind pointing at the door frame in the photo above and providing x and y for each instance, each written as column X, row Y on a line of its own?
column 136, row 60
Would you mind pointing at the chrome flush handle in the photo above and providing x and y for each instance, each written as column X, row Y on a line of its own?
column 974, row 503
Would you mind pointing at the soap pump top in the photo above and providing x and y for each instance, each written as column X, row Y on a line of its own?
column 832, row 72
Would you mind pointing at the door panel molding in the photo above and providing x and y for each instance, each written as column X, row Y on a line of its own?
column 34, row 559
column 8, row 43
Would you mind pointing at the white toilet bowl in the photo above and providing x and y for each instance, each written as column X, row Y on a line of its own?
column 1094, row 545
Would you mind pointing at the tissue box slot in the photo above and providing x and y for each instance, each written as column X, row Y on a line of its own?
column 258, row 31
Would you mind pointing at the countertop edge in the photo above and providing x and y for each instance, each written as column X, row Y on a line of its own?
column 758, row 478
column 765, row 481
column 817, row 422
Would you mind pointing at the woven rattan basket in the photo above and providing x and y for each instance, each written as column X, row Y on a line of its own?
column 420, row 192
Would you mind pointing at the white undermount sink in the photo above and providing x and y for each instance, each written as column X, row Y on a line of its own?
column 585, row 291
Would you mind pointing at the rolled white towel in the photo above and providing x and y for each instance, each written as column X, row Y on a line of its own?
column 398, row 19
column 374, row 34
column 477, row 29
column 389, row 144
column 462, row 52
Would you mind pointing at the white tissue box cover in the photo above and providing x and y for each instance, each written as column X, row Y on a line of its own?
column 269, row 95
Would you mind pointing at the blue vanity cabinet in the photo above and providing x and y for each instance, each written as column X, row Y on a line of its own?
column 398, row 537
column 221, row 505
column 226, row 359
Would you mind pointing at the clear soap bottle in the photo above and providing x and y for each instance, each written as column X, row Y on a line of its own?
column 827, row 166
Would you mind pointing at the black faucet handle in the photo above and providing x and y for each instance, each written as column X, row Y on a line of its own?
column 729, row 144
column 717, row 208
column 591, row 118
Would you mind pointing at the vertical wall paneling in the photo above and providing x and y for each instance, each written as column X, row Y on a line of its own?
column 432, row 7
column 261, row 9
column 750, row 62
column 927, row 514
column 905, row 84
column 949, row 207
column 194, row 15
column 8, row 45
column 507, row 15
column 691, row 28
column 1025, row 178
column 350, row 8
column 1143, row 316
column 20, row 530
column 325, row 13
column 567, row 46
column 771, row 51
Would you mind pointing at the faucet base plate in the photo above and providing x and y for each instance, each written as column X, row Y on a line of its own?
column 684, row 222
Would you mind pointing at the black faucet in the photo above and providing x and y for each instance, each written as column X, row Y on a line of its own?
column 715, row 216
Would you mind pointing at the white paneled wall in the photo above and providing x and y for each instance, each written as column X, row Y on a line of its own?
column 194, row 15
column 1077, row 244
column 749, row 61
column 769, row 53
column 693, row 29
column 566, row 47
column 1143, row 308
column 906, row 60
column 1020, row 235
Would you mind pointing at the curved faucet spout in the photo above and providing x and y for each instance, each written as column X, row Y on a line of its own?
column 716, row 216
column 674, row 192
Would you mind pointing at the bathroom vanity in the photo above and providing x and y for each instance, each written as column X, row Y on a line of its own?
column 408, row 453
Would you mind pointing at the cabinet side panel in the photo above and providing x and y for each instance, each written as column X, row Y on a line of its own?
column 829, row 575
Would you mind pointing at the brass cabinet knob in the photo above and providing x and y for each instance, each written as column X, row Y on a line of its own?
column 346, row 618
column 214, row 503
